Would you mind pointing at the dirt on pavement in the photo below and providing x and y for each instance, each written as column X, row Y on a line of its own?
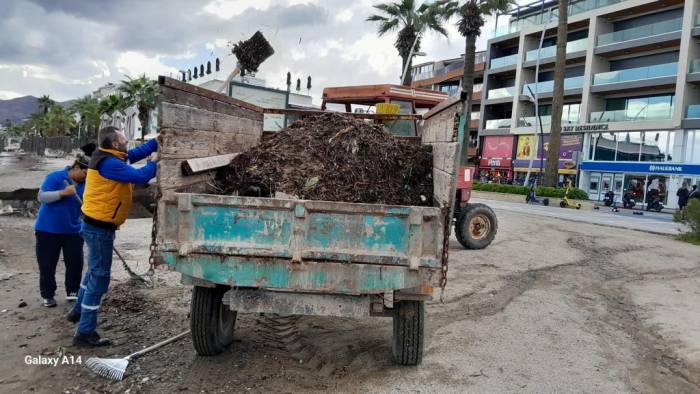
column 551, row 305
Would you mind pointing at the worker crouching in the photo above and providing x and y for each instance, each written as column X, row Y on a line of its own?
column 107, row 199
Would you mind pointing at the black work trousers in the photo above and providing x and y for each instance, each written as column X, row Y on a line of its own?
column 48, row 250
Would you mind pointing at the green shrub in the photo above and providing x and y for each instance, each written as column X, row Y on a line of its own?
column 690, row 217
column 557, row 192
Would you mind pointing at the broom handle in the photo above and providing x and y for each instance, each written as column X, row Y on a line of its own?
column 156, row 346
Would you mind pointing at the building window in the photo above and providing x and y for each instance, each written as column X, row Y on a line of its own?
column 692, row 147
column 646, row 146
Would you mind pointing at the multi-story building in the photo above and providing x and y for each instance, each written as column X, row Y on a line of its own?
column 446, row 76
column 632, row 94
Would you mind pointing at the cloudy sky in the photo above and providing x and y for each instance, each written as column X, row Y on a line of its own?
column 67, row 48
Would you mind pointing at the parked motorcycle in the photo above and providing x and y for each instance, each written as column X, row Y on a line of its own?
column 628, row 200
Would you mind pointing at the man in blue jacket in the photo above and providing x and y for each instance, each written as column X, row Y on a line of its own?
column 108, row 192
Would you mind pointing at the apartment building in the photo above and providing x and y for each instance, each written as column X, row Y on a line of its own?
column 446, row 76
column 631, row 119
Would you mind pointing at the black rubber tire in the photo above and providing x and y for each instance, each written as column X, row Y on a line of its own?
column 409, row 324
column 545, row 202
column 464, row 233
column 211, row 321
column 562, row 204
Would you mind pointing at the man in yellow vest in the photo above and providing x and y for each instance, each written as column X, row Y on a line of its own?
column 107, row 198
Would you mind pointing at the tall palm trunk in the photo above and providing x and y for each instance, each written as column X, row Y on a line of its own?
column 552, row 170
column 468, row 81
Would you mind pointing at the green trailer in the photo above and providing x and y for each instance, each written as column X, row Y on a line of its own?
column 289, row 256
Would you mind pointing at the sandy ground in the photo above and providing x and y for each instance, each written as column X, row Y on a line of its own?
column 26, row 171
column 550, row 306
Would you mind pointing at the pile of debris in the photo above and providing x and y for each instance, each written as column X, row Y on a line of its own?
column 252, row 52
column 332, row 157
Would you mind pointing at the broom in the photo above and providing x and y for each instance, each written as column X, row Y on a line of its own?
column 114, row 368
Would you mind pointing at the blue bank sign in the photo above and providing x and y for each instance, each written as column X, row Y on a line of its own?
column 642, row 168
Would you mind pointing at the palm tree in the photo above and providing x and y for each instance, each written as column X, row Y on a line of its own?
column 45, row 103
column 36, row 123
column 142, row 93
column 88, row 108
column 412, row 22
column 551, row 171
column 470, row 21
column 59, row 122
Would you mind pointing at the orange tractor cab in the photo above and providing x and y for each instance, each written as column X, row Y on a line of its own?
column 476, row 224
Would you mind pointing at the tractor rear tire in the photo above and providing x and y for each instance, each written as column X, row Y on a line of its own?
column 211, row 321
column 409, row 324
column 476, row 226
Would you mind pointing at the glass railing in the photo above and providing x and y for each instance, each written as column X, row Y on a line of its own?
column 548, row 86
column 695, row 66
column 498, row 124
column 503, row 61
column 480, row 57
column 546, row 52
column 697, row 20
column 501, row 93
column 631, row 115
column 551, row 15
column 529, row 121
column 640, row 32
column 693, row 111
column 475, row 115
column 636, row 74
column 478, row 87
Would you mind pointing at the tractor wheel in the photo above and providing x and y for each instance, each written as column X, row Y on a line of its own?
column 211, row 321
column 476, row 226
column 409, row 317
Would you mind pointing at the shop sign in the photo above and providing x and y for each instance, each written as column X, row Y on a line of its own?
column 495, row 163
column 586, row 127
column 570, row 146
column 642, row 168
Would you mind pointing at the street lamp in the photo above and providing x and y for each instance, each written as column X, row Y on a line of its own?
column 410, row 56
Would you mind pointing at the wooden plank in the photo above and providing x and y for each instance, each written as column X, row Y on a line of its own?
column 186, row 87
column 202, row 164
column 182, row 116
column 180, row 97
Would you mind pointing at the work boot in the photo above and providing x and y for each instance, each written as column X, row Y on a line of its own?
column 73, row 316
column 90, row 340
column 72, row 296
column 48, row 302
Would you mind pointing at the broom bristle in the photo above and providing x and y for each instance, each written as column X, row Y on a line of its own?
column 111, row 368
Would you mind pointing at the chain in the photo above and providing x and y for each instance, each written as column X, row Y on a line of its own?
column 445, row 252
column 153, row 247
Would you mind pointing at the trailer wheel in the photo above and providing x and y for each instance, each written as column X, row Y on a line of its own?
column 409, row 317
column 476, row 226
column 211, row 321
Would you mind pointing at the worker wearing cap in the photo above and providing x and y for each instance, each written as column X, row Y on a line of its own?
column 57, row 229
column 108, row 192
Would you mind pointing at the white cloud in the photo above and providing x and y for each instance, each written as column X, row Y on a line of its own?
column 8, row 94
column 344, row 15
column 378, row 54
column 136, row 63
column 227, row 9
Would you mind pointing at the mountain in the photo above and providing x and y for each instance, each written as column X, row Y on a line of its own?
column 18, row 109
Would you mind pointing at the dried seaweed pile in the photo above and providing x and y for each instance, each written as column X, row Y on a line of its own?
column 333, row 158
column 252, row 52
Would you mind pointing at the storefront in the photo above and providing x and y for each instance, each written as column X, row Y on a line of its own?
column 496, row 163
column 637, row 178
column 571, row 146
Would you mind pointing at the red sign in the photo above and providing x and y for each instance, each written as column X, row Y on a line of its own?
column 464, row 178
column 501, row 163
column 498, row 147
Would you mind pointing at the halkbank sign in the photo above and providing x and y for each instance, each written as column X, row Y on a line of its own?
column 641, row 168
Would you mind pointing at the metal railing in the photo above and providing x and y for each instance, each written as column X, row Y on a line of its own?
column 501, row 93
column 548, row 86
column 529, row 121
column 551, row 51
column 636, row 74
column 634, row 33
column 498, row 124
column 631, row 115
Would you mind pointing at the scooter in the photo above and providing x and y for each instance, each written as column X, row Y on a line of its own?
column 609, row 198
column 566, row 202
column 655, row 204
column 531, row 197
column 628, row 200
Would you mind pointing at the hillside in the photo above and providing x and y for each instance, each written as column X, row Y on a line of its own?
column 18, row 108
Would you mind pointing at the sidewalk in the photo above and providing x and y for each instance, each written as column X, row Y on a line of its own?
column 651, row 222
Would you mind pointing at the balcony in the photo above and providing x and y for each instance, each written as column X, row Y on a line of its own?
column 504, row 61
column 501, row 93
column 633, row 115
column 645, row 74
column 548, row 86
column 550, row 52
column 695, row 66
column 530, row 121
column 635, row 33
column 693, row 111
column 498, row 124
